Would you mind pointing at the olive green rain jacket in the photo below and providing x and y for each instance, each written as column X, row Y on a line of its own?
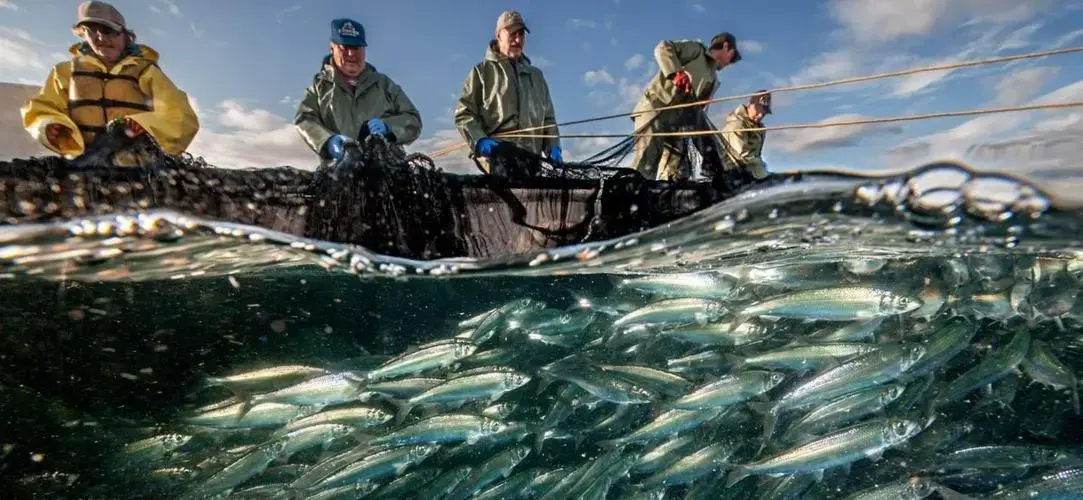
column 658, row 157
column 330, row 108
column 744, row 147
column 500, row 95
column 674, row 56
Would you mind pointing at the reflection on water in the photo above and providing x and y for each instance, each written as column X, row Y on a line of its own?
column 902, row 337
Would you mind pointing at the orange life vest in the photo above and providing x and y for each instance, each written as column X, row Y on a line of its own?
column 96, row 97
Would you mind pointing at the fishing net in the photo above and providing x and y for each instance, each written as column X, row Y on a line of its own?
column 379, row 196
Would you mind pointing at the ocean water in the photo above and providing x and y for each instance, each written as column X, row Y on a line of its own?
column 912, row 336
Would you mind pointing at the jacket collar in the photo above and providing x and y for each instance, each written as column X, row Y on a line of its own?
column 367, row 77
column 742, row 114
column 493, row 54
column 134, row 51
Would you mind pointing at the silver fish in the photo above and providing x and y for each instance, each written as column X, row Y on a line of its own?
column 673, row 311
column 1065, row 483
column 489, row 385
column 844, row 410
column 664, row 454
column 325, row 390
column 445, row 483
column 857, row 331
column 497, row 467
column 994, row 367
column 154, row 448
column 379, row 465
column 318, row 435
column 907, row 489
column 407, row 484
column 840, row 448
column 442, row 429
column 876, row 368
column 729, row 389
column 266, row 378
column 704, row 461
column 360, row 417
column 945, row 343
column 666, row 425
column 405, row 388
column 258, row 416
column 427, row 357
column 652, row 379
column 1043, row 366
column 723, row 333
column 684, row 285
column 804, row 357
column 840, row 303
column 245, row 468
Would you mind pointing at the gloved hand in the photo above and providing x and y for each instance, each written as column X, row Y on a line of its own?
column 60, row 137
column 377, row 127
column 555, row 155
column 683, row 81
column 336, row 146
column 130, row 128
column 486, row 145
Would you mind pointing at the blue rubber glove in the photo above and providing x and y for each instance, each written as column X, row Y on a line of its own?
column 377, row 126
column 336, row 146
column 555, row 155
column 486, row 145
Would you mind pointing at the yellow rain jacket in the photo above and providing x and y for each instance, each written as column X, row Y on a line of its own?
column 84, row 96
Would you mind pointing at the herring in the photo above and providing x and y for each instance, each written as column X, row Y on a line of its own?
column 840, row 303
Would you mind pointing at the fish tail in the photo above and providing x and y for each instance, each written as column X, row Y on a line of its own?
column 770, row 420
column 736, row 475
column 539, row 441
column 1075, row 395
column 735, row 360
column 611, row 444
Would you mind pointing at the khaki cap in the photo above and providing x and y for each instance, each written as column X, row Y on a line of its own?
column 99, row 13
column 510, row 19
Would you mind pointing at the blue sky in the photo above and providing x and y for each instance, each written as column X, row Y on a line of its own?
column 246, row 62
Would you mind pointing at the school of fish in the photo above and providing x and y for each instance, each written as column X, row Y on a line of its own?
column 861, row 379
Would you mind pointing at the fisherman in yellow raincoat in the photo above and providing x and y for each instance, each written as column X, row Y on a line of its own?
column 742, row 143
column 110, row 81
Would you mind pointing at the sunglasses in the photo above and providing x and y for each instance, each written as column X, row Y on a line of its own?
column 100, row 29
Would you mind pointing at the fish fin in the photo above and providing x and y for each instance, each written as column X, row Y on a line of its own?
column 539, row 441
column 770, row 420
column 950, row 494
column 845, row 468
column 873, row 455
column 544, row 381
column 611, row 444
column 736, row 475
column 818, row 475
column 761, row 407
column 402, row 409
column 735, row 360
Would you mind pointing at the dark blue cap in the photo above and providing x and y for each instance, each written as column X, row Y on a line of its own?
column 348, row 32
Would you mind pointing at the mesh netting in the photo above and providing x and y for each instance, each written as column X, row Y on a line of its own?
column 380, row 197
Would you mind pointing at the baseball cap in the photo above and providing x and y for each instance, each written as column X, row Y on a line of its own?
column 764, row 98
column 717, row 40
column 99, row 13
column 510, row 19
column 348, row 32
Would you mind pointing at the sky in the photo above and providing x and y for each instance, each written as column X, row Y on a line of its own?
column 245, row 64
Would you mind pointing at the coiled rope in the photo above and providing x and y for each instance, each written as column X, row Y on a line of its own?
column 878, row 76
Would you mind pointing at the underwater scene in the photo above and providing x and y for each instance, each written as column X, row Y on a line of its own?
column 918, row 335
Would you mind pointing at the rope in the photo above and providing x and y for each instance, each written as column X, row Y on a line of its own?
column 867, row 121
column 878, row 76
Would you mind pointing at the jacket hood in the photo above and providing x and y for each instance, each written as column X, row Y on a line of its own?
column 492, row 53
column 135, row 49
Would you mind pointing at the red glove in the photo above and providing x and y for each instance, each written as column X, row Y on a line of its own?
column 683, row 81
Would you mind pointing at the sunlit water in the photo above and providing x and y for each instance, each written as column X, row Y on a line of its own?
column 111, row 325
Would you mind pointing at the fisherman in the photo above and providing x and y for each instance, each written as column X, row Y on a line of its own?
column 349, row 99
column 743, row 147
column 506, row 93
column 687, row 73
column 110, row 84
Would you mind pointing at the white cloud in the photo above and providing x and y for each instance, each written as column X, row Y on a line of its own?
column 234, row 115
column 634, row 62
column 577, row 23
column 801, row 140
column 751, row 46
column 290, row 101
column 829, row 66
column 956, row 141
column 256, row 138
column 1065, row 39
column 456, row 162
column 197, row 31
column 7, row 4
column 283, row 14
column 541, row 62
column 17, row 51
column 1017, row 87
column 698, row 7
column 880, row 21
column 155, row 9
column 598, row 77
column 173, row 9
